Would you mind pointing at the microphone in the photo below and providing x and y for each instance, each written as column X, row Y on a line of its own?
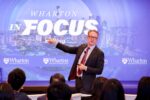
column 86, row 50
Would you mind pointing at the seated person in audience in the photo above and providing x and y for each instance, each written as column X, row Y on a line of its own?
column 54, row 78
column 112, row 90
column 57, row 78
column 143, row 92
column 6, row 92
column 96, row 89
column 59, row 91
column 16, row 79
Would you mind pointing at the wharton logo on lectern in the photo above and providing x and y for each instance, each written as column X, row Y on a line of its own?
column 134, row 61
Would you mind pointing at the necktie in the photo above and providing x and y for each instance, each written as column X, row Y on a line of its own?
column 83, row 60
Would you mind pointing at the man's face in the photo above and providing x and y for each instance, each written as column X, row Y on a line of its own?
column 92, row 38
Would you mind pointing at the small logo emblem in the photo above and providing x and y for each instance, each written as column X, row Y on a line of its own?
column 6, row 60
column 124, row 60
column 45, row 60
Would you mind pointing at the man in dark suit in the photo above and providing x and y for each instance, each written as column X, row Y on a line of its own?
column 88, row 63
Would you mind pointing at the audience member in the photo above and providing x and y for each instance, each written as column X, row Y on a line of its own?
column 112, row 90
column 16, row 79
column 6, row 92
column 97, row 87
column 143, row 92
column 59, row 91
column 57, row 77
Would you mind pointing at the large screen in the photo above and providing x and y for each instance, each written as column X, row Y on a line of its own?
column 25, row 26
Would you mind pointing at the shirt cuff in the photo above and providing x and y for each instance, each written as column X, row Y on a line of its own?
column 56, row 43
column 85, row 68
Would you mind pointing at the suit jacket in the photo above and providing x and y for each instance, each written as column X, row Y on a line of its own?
column 94, row 63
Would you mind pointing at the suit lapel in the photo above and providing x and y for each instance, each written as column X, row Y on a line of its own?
column 81, row 50
column 91, row 55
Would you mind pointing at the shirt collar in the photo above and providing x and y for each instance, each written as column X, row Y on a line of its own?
column 92, row 47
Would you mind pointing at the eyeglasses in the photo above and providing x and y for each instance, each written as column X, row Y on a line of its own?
column 92, row 37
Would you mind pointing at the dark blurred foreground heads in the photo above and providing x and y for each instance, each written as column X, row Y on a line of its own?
column 97, row 87
column 112, row 90
column 143, row 92
column 59, row 91
column 16, row 79
column 6, row 92
column 57, row 77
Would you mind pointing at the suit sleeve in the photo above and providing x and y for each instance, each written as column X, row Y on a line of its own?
column 65, row 48
column 98, row 65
